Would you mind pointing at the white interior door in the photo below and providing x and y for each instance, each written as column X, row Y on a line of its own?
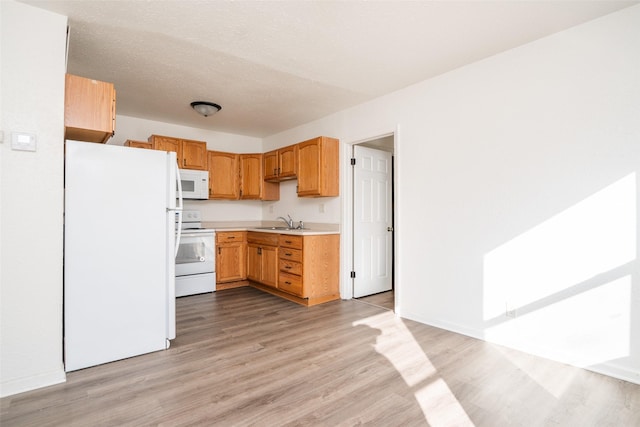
column 372, row 225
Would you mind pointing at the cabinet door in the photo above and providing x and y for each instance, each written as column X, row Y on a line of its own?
column 318, row 173
column 309, row 168
column 230, row 262
column 194, row 154
column 251, row 176
column 89, row 109
column 167, row 143
column 271, row 165
column 223, row 175
column 270, row 266
column 252, row 183
column 254, row 263
column 288, row 162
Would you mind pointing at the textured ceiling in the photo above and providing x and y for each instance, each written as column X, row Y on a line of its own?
column 274, row 65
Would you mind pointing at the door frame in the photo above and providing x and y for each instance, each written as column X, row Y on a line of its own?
column 346, row 246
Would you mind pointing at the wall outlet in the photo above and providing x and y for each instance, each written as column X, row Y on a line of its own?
column 321, row 207
column 23, row 141
column 509, row 310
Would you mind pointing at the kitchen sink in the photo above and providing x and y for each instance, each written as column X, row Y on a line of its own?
column 280, row 228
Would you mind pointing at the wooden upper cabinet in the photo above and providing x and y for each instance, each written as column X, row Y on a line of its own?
column 167, row 143
column 288, row 161
column 252, row 184
column 89, row 109
column 270, row 161
column 194, row 154
column 318, row 167
column 138, row 144
column 281, row 164
column 223, row 175
column 191, row 154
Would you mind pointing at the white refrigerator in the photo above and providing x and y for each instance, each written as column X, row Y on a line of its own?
column 119, row 252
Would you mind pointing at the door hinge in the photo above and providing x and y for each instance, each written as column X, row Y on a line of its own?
column 353, row 161
column 353, row 274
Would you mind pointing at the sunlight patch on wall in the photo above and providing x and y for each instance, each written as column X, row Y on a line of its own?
column 395, row 342
column 586, row 329
column 563, row 289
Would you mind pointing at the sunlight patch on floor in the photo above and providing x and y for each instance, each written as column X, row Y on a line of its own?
column 396, row 343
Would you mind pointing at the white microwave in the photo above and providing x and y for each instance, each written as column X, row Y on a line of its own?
column 195, row 184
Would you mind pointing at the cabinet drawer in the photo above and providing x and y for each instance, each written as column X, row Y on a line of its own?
column 291, row 254
column 290, row 267
column 288, row 241
column 267, row 239
column 290, row 283
column 230, row 236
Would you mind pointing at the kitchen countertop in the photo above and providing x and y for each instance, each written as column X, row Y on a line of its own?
column 311, row 229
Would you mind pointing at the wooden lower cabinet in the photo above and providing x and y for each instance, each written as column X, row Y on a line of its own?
column 308, row 269
column 231, row 248
column 262, row 258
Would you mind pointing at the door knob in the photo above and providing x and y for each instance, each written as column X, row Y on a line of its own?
column 389, row 228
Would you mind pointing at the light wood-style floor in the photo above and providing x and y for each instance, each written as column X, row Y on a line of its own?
column 243, row 357
column 383, row 300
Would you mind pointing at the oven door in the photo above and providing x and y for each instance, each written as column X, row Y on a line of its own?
column 195, row 254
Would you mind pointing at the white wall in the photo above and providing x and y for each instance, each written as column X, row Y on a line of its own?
column 517, row 188
column 212, row 210
column 31, row 195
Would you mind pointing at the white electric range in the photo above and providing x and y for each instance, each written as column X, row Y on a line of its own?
column 195, row 261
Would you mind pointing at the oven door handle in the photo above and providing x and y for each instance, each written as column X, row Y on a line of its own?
column 187, row 234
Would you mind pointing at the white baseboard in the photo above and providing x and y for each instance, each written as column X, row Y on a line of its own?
column 20, row 385
column 608, row 369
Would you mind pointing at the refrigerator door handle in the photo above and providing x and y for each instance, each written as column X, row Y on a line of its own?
column 178, row 232
column 178, row 209
column 179, row 182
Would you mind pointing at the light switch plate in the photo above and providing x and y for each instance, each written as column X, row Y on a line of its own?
column 23, row 141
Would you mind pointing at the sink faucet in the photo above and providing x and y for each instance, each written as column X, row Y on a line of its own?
column 289, row 221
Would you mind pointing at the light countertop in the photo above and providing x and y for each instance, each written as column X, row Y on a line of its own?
column 310, row 229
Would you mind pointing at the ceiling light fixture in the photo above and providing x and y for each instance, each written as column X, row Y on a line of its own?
column 205, row 108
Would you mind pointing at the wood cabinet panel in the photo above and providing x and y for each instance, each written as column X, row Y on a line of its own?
column 270, row 265
column 289, row 241
column 288, row 162
column 223, row 175
column 254, row 262
column 270, row 161
column 290, row 283
column 252, row 183
column 138, row 144
column 230, row 256
column 269, row 239
column 167, row 143
column 291, row 267
column 262, row 259
column 190, row 154
column 194, row 154
column 291, row 254
column 318, row 167
column 281, row 164
column 89, row 109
